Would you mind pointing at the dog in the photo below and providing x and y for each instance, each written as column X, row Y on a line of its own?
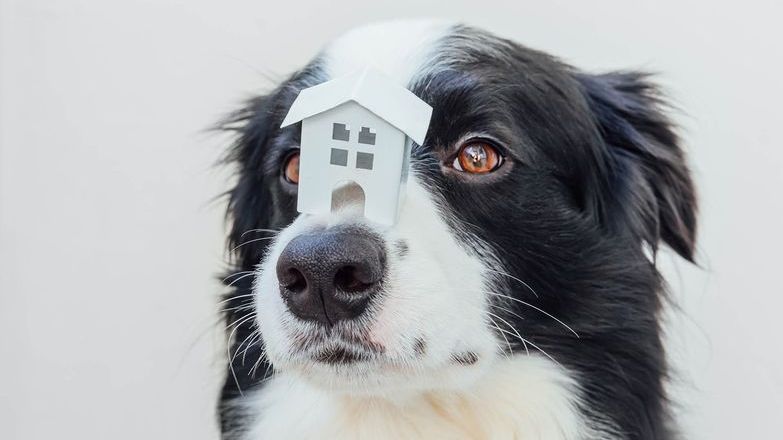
column 517, row 295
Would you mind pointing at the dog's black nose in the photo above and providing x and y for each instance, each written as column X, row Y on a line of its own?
column 331, row 276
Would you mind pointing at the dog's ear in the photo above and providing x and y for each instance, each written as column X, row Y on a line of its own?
column 249, row 199
column 647, row 184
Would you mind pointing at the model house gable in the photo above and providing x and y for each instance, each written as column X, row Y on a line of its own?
column 356, row 131
column 373, row 91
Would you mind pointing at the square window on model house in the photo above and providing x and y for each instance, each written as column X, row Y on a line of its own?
column 364, row 160
column 367, row 136
column 339, row 157
column 341, row 132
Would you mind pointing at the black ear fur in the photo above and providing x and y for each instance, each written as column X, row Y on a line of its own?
column 249, row 200
column 648, row 181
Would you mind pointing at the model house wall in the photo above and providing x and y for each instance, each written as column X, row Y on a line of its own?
column 337, row 148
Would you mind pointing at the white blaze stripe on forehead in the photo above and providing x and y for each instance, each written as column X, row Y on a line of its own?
column 399, row 49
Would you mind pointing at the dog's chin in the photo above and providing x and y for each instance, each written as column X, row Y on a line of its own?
column 362, row 377
column 378, row 378
column 346, row 369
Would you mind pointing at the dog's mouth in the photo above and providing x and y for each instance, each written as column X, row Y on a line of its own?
column 348, row 360
column 337, row 347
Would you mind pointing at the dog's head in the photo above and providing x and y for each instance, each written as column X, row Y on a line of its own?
column 530, row 211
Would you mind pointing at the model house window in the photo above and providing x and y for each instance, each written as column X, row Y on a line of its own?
column 340, row 157
column 341, row 132
column 367, row 136
column 364, row 160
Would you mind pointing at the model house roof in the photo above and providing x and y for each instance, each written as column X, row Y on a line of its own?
column 373, row 91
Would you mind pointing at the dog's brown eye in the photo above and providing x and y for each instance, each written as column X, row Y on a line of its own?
column 291, row 168
column 477, row 157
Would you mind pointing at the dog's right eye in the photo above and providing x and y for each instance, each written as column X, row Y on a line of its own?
column 291, row 168
column 477, row 157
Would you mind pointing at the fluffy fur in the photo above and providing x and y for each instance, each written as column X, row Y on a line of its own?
column 517, row 304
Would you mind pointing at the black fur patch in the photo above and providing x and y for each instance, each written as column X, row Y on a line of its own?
column 467, row 358
column 401, row 246
column 420, row 346
column 338, row 356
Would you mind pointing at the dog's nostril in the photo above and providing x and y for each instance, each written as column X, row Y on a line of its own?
column 349, row 279
column 294, row 280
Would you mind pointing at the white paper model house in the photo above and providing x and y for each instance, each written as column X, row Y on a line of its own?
column 358, row 130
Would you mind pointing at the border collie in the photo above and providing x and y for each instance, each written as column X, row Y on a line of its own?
column 517, row 295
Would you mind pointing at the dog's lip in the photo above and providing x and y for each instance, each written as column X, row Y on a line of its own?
column 349, row 341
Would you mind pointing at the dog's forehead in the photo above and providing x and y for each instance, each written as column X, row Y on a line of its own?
column 403, row 50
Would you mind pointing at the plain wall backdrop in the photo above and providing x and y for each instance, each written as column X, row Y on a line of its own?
column 110, row 243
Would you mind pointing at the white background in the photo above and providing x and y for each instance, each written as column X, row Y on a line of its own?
column 109, row 241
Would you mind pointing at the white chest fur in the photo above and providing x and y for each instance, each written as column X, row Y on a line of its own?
column 525, row 397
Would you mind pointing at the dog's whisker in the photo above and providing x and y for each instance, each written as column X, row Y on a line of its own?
column 241, row 321
column 524, row 344
column 238, row 308
column 252, row 372
column 241, row 278
column 538, row 309
column 506, row 310
column 499, row 272
column 242, row 272
column 256, row 338
column 495, row 325
column 228, row 352
column 527, row 341
column 239, row 347
column 517, row 335
column 261, row 357
column 268, row 372
column 544, row 352
column 251, row 241
column 232, row 298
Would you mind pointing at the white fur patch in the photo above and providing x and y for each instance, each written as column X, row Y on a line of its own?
column 521, row 398
column 400, row 49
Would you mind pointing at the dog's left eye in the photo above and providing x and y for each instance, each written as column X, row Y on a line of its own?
column 477, row 157
column 291, row 168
